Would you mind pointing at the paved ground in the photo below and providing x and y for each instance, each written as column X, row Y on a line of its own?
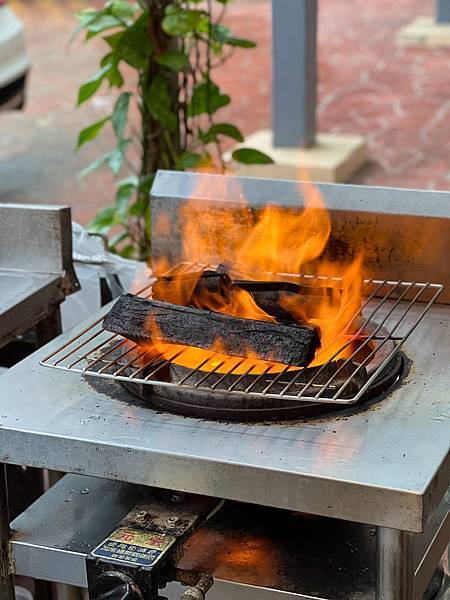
column 398, row 97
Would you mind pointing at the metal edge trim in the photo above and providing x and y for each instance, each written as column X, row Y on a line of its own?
column 339, row 197
column 397, row 508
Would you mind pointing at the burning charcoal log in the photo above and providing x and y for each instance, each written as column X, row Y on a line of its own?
column 144, row 320
column 188, row 288
column 274, row 297
column 283, row 286
column 269, row 302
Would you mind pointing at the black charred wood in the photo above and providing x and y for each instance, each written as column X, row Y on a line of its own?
column 269, row 302
column 283, row 286
column 144, row 320
column 189, row 288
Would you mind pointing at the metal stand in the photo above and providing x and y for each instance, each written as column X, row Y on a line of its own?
column 395, row 573
column 294, row 24
column 406, row 561
column 6, row 580
column 49, row 328
column 33, row 485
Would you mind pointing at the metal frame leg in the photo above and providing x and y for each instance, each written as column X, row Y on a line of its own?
column 395, row 565
column 6, row 579
column 49, row 328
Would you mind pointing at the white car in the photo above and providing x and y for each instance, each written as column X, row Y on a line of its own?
column 13, row 60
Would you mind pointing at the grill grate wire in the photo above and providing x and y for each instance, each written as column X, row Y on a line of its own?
column 387, row 304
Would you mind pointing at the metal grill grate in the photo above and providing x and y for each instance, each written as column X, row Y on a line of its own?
column 391, row 311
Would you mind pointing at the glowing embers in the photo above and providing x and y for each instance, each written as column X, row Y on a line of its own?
column 222, row 387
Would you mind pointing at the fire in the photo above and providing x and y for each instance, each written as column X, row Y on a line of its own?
column 272, row 244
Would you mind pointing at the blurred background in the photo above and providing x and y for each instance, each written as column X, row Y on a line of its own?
column 398, row 97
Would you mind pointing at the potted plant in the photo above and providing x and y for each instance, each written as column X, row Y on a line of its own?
column 172, row 48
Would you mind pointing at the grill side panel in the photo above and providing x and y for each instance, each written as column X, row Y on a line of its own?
column 405, row 233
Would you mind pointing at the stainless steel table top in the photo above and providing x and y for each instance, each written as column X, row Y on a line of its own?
column 25, row 298
column 386, row 463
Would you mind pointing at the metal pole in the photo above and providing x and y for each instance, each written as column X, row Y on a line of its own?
column 294, row 66
column 395, row 569
column 49, row 328
column 6, row 581
column 443, row 11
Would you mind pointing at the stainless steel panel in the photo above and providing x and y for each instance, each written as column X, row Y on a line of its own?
column 337, row 196
column 430, row 546
column 37, row 239
column 404, row 234
column 53, row 536
column 386, row 463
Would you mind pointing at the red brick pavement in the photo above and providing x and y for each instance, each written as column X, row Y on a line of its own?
column 398, row 97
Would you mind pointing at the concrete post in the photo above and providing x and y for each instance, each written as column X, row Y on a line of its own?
column 443, row 11
column 294, row 65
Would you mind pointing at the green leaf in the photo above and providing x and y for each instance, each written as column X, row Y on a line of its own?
column 179, row 21
column 250, row 156
column 122, row 9
column 113, row 39
column 100, row 24
column 89, row 88
column 107, row 59
column 115, row 77
column 189, row 160
column 104, row 219
column 125, row 190
column 120, row 114
column 240, row 42
column 226, row 129
column 114, row 14
column 173, row 59
column 222, row 34
column 93, row 166
column 145, row 183
column 88, row 16
column 131, row 180
column 133, row 46
column 114, row 159
column 158, row 102
column 91, row 132
column 207, row 98
column 139, row 208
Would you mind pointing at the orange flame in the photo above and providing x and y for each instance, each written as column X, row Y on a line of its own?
column 272, row 244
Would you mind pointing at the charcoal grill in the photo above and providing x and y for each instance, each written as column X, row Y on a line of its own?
column 350, row 504
column 201, row 391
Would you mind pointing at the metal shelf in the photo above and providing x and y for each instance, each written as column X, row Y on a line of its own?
column 282, row 553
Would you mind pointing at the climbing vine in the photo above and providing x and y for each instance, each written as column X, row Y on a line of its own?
column 172, row 48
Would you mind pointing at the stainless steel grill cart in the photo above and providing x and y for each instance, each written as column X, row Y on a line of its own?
column 349, row 504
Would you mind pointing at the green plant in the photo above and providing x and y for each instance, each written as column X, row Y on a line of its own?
column 171, row 47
